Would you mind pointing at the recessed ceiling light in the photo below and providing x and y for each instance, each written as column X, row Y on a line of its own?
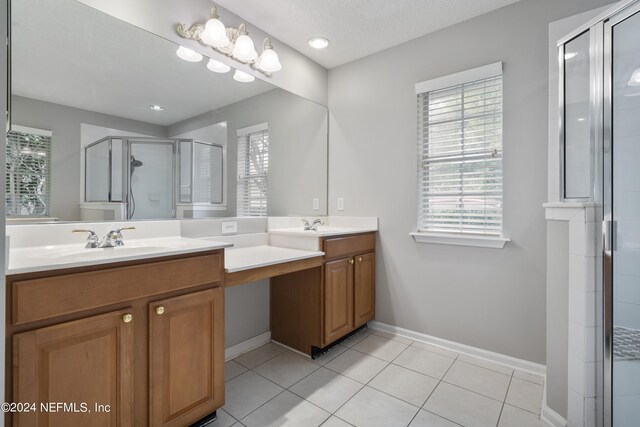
column 156, row 107
column 318, row 42
column 570, row 55
column 217, row 66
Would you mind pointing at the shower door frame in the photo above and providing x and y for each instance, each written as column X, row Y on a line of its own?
column 608, row 225
column 174, row 168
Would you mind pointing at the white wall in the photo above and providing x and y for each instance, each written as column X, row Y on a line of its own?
column 3, row 166
column 299, row 74
column 492, row 299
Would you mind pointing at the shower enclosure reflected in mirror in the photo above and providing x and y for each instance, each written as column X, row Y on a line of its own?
column 108, row 123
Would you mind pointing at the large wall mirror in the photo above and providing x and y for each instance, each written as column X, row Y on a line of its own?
column 108, row 123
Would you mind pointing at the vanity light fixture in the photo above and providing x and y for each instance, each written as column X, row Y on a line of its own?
column 217, row 66
column 634, row 80
column 318, row 42
column 232, row 42
column 156, row 107
column 570, row 55
column 241, row 76
column 188, row 54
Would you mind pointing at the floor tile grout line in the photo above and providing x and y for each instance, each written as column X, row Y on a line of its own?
column 263, row 362
column 283, row 390
column 349, row 400
column 444, row 418
column 504, row 403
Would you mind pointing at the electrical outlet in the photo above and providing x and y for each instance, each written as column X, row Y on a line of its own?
column 229, row 227
column 340, row 206
column 316, row 204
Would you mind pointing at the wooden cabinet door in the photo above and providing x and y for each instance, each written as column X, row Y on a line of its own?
column 186, row 358
column 364, row 288
column 338, row 299
column 83, row 362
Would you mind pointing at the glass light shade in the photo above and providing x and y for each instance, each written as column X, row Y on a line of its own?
column 244, row 49
column 188, row 54
column 215, row 34
column 217, row 66
column 269, row 61
column 635, row 78
column 241, row 76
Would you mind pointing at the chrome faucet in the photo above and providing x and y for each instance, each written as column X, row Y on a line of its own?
column 92, row 238
column 313, row 226
column 114, row 238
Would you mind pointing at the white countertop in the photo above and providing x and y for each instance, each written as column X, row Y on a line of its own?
column 239, row 259
column 44, row 258
column 322, row 231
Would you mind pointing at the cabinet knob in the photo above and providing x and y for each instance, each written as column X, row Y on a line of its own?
column 351, row 261
column 127, row 318
column 159, row 309
column 359, row 259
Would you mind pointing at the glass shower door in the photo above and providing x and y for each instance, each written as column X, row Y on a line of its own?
column 622, row 215
column 152, row 185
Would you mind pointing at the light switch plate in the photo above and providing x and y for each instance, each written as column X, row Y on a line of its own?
column 340, row 206
column 229, row 227
column 316, row 203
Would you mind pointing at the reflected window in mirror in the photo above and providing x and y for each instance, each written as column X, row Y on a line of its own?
column 28, row 172
column 253, row 170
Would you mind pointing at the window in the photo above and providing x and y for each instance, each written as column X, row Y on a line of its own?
column 28, row 172
column 460, row 154
column 253, row 170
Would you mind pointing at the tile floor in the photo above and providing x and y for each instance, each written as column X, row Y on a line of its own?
column 376, row 379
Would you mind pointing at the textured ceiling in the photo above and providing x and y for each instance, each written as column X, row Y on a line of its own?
column 68, row 53
column 356, row 28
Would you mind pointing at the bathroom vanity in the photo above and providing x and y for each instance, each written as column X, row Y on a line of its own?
column 136, row 342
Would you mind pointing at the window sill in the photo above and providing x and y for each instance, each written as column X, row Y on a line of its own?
column 494, row 242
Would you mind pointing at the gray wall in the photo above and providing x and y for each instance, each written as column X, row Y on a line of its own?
column 65, row 122
column 492, row 299
column 557, row 315
column 297, row 148
column 299, row 74
column 3, row 166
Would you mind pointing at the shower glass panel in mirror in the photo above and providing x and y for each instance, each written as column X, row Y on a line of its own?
column 108, row 123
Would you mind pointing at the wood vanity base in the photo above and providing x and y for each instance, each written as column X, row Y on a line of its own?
column 145, row 337
column 314, row 308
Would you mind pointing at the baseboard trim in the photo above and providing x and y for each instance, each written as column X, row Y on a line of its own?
column 551, row 418
column 246, row 346
column 508, row 361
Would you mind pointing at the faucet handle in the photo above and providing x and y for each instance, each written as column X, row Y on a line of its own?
column 92, row 238
column 118, row 230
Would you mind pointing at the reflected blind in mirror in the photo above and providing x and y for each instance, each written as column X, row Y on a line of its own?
column 28, row 172
column 253, row 171
column 460, row 158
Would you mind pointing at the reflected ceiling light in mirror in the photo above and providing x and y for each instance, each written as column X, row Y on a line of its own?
column 570, row 55
column 188, row 54
column 156, row 107
column 217, row 66
column 241, row 76
column 269, row 60
column 634, row 80
column 233, row 42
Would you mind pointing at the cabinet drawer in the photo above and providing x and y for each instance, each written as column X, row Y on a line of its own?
column 47, row 297
column 342, row 246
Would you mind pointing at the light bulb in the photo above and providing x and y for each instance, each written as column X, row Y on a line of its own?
column 244, row 49
column 318, row 42
column 635, row 78
column 215, row 34
column 188, row 54
column 241, row 76
column 269, row 61
column 217, row 66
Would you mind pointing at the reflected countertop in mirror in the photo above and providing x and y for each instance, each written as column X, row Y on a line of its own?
column 80, row 76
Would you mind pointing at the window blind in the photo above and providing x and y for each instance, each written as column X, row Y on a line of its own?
column 460, row 158
column 253, row 173
column 28, row 173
